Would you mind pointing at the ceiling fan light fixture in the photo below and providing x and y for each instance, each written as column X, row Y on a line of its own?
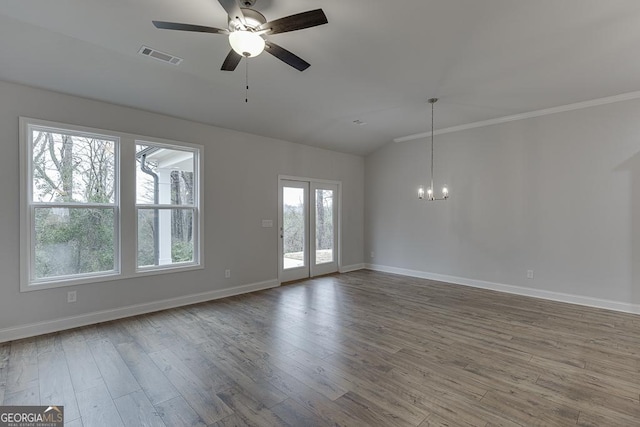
column 246, row 26
column 246, row 43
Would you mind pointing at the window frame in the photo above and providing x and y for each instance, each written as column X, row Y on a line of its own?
column 125, row 207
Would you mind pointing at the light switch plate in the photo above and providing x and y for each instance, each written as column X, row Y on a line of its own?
column 267, row 223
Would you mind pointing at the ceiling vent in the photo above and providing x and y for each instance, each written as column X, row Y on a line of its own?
column 160, row 56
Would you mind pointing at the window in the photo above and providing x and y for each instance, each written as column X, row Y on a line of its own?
column 73, row 204
column 166, row 205
column 73, row 209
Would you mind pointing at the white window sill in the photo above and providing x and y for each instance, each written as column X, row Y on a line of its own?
column 108, row 277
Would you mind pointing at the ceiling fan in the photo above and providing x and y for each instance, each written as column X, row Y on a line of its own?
column 247, row 31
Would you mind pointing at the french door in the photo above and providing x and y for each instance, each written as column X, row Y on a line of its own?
column 308, row 222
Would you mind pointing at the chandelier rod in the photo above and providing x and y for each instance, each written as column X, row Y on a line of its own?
column 432, row 101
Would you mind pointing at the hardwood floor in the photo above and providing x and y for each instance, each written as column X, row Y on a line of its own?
column 358, row 349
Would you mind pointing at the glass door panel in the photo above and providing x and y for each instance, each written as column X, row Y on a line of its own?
column 294, row 230
column 324, row 220
column 325, row 238
column 294, row 241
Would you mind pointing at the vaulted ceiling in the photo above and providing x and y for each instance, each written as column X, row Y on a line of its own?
column 376, row 61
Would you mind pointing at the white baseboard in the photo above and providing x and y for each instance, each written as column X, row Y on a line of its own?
column 518, row 290
column 33, row 329
column 353, row 267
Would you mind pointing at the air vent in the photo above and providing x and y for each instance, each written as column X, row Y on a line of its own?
column 160, row 56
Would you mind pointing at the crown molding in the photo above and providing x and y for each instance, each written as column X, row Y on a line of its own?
column 545, row 112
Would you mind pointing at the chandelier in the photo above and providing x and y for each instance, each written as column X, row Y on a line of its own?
column 429, row 193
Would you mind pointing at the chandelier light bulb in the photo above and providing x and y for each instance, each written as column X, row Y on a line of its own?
column 421, row 192
column 445, row 192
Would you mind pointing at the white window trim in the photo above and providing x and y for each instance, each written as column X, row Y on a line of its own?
column 125, row 209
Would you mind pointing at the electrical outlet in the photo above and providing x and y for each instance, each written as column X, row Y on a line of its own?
column 227, row 274
column 529, row 274
column 373, row 254
column 72, row 296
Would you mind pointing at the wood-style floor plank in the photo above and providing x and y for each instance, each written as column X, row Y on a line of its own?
column 248, row 409
column 200, row 397
column 115, row 372
column 373, row 414
column 177, row 412
column 362, row 388
column 362, row 348
column 84, row 373
column 294, row 414
column 55, row 383
column 73, row 423
column 253, row 382
column 197, row 361
column 23, row 366
column 330, row 386
column 151, row 379
column 314, row 402
column 146, row 334
column 137, row 410
column 97, row 408
column 48, row 342
column 5, row 352
column 25, row 396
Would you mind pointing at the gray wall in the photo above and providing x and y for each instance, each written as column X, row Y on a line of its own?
column 240, row 185
column 557, row 194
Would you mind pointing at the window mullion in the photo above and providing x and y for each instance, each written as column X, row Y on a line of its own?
column 75, row 207
column 128, row 214
column 164, row 206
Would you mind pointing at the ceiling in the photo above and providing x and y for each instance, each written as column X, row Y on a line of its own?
column 376, row 61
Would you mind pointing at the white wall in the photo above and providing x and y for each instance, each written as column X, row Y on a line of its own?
column 557, row 194
column 240, row 185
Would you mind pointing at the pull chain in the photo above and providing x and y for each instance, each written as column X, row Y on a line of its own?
column 246, row 68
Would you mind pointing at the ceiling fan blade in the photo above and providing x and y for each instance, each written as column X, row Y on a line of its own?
column 233, row 10
column 287, row 57
column 295, row 22
column 188, row 27
column 231, row 61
